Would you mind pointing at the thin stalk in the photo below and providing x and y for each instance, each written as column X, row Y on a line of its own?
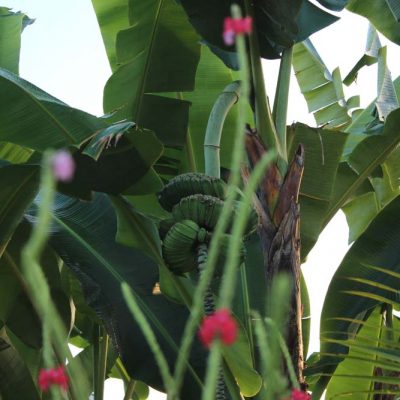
column 189, row 144
column 38, row 288
column 102, row 367
column 282, row 344
column 213, row 372
column 280, row 109
column 212, row 140
column 246, row 308
column 122, row 371
column 149, row 335
column 130, row 389
column 96, row 354
column 264, row 121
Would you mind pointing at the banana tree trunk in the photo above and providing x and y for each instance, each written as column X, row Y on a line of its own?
column 279, row 230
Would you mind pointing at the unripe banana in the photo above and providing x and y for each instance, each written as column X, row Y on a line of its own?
column 179, row 246
column 202, row 209
column 188, row 184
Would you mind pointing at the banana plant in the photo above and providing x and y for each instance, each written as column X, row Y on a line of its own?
column 150, row 188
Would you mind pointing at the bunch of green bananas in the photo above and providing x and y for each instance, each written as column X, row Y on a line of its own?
column 195, row 201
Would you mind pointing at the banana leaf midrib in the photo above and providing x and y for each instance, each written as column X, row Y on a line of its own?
column 49, row 116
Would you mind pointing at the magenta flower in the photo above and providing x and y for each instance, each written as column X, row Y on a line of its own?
column 53, row 376
column 236, row 26
column 219, row 325
column 299, row 395
column 63, row 166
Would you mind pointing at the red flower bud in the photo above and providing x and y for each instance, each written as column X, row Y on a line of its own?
column 53, row 376
column 236, row 26
column 219, row 325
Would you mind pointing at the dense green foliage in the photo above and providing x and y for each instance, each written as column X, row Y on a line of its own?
column 169, row 65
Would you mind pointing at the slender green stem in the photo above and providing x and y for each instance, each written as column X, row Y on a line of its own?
column 246, row 308
column 264, row 122
column 213, row 372
column 96, row 353
column 216, row 121
column 122, row 371
column 38, row 287
column 102, row 367
column 282, row 344
column 130, row 390
column 265, row 355
column 149, row 335
column 282, row 98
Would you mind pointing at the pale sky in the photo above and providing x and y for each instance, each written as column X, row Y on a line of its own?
column 62, row 52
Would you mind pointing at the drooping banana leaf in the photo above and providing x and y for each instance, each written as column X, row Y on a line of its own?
column 38, row 120
column 370, row 56
column 364, row 159
column 363, row 209
column 11, row 26
column 279, row 24
column 322, row 90
column 368, row 276
column 379, row 13
column 83, row 234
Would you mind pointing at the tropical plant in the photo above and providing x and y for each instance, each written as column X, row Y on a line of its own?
column 190, row 195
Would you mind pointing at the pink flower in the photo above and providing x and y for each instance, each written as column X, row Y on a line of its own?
column 219, row 325
column 63, row 166
column 53, row 376
column 236, row 26
column 299, row 395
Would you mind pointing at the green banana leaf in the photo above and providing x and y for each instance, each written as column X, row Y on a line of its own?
column 363, row 280
column 363, row 161
column 322, row 90
column 354, row 374
column 323, row 149
column 370, row 56
column 20, row 184
column 363, row 209
column 39, row 121
column 334, row 5
column 112, row 16
column 16, row 381
column 279, row 24
column 83, row 235
column 379, row 13
column 11, row 26
column 157, row 53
